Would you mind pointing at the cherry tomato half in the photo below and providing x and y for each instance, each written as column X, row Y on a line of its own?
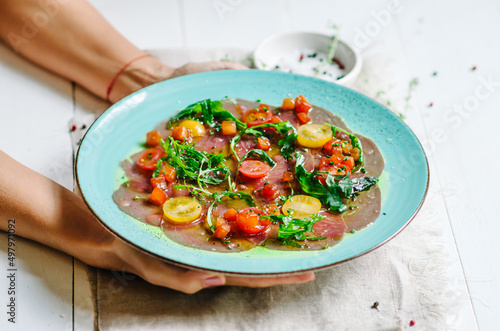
column 149, row 158
column 259, row 116
column 248, row 221
column 254, row 168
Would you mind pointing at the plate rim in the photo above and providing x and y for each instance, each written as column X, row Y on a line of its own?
column 236, row 273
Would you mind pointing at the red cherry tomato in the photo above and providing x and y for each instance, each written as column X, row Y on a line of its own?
column 149, row 158
column 330, row 148
column 302, row 105
column 157, row 197
column 270, row 209
column 259, row 116
column 349, row 163
column 271, row 191
column 158, row 181
column 230, row 214
column 153, row 138
column 181, row 133
column 254, row 168
column 303, row 118
column 323, row 162
column 264, row 143
column 336, row 169
column 287, row 176
column 248, row 221
column 222, row 231
column 337, row 158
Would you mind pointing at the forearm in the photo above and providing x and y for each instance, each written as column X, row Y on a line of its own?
column 70, row 38
column 50, row 214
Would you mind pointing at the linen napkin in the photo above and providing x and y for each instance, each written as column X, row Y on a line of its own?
column 407, row 279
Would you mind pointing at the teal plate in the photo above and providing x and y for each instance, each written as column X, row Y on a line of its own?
column 122, row 128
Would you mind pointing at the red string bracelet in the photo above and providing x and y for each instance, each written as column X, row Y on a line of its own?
column 110, row 86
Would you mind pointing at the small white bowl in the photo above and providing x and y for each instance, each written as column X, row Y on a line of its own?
column 277, row 46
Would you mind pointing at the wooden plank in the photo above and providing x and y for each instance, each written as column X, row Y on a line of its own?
column 462, row 125
column 36, row 108
column 87, row 108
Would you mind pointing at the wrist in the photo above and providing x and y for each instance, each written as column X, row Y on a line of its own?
column 141, row 73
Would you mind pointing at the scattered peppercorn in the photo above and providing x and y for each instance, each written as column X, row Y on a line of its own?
column 73, row 128
column 83, row 127
column 474, row 68
column 434, row 73
column 375, row 305
column 431, row 104
column 412, row 323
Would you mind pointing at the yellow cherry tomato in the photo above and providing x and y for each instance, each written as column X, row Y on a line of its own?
column 197, row 129
column 314, row 135
column 182, row 209
column 302, row 205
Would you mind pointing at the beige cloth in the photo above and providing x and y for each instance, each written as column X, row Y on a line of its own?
column 408, row 276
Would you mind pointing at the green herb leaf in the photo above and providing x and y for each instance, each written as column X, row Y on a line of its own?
column 285, row 129
column 332, row 192
column 260, row 154
column 159, row 163
column 295, row 228
column 363, row 183
column 202, row 167
column 208, row 112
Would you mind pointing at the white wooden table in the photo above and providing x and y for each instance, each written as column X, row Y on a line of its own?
column 455, row 114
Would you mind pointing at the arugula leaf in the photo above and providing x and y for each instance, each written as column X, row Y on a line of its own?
column 285, row 129
column 208, row 111
column 291, row 243
column 221, row 114
column 202, row 167
column 355, row 142
column 260, row 154
column 159, row 163
column 363, row 183
column 332, row 192
column 189, row 111
column 233, row 195
column 295, row 228
column 289, row 134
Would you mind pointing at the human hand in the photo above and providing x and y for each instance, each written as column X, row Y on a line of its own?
column 188, row 281
column 100, row 248
column 148, row 70
column 60, row 219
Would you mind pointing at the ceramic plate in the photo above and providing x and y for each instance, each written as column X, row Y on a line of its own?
column 122, row 128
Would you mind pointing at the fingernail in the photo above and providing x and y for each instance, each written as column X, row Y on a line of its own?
column 213, row 281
